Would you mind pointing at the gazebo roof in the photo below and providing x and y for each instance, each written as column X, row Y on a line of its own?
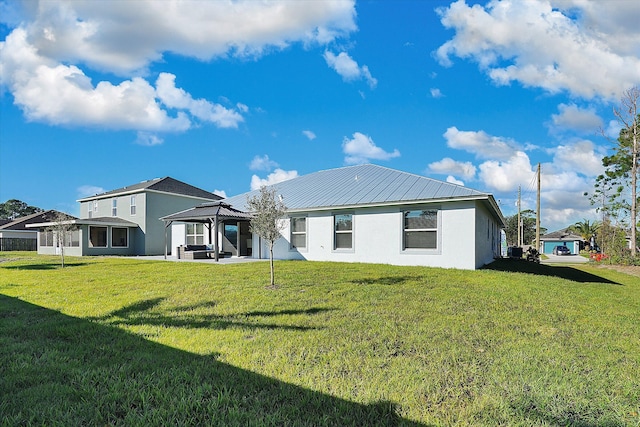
column 207, row 211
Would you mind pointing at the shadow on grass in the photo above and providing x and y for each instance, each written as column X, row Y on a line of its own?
column 63, row 370
column 563, row 272
column 388, row 281
column 142, row 313
column 43, row 266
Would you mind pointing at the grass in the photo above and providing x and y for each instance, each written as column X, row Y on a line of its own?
column 112, row 341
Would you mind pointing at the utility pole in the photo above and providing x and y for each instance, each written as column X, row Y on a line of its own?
column 538, row 213
column 519, row 219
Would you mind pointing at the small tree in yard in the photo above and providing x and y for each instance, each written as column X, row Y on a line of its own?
column 268, row 210
column 62, row 227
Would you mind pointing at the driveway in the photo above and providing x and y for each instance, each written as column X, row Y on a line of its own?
column 564, row 259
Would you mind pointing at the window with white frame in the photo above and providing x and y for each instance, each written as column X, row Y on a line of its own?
column 95, row 206
column 114, row 207
column 90, row 210
column 119, row 237
column 298, row 233
column 74, row 238
column 68, row 238
column 343, row 231
column 195, row 234
column 46, row 238
column 132, row 204
column 421, row 229
column 97, row 237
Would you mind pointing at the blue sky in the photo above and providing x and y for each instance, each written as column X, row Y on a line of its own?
column 230, row 95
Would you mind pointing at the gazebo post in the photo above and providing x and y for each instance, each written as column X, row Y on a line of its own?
column 215, row 237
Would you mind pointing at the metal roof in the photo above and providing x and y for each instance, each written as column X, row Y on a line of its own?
column 166, row 185
column 207, row 211
column 362, row 185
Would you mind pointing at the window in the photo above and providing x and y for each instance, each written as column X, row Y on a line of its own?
column 97, row 237
column 74, row 239
column 114, row 207
column 69, row 238
column 231, row 234
column 90, row 210
column 421, row 229
column 298, row 233
column 95, row 206
column 119, row 237
column 46, row 238
column 343, row 236
column 132, row 202
column 195, row 234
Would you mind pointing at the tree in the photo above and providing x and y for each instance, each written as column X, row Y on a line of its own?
column 268, row 210
column 13, row 208
column 585, row 229
column 621, row 168
column 62, row 228
column 528, row 218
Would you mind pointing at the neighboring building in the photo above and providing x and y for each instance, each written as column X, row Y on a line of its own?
column 127, row 221
column 15, row 236
column 562, row 237
column 369, row 213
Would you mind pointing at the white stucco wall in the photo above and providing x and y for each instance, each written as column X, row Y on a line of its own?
column 378, row 238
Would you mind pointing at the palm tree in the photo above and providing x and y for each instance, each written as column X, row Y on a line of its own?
column 585, row 229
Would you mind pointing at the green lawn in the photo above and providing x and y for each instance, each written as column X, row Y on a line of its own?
column 112, row 341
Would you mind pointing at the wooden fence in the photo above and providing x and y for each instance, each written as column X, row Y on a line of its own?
column 15, row 244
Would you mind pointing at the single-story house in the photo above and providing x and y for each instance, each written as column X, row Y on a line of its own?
column 562, row 237
column 15, row 236
column 125, row 221
column 369, row 213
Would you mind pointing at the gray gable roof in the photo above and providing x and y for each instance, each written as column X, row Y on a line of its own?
column 207, row 211
column 165, row 185
column 35, row 218
column 564, row 234
column 362, row 185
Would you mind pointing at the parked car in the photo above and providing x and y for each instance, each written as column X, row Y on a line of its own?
column 561, row 250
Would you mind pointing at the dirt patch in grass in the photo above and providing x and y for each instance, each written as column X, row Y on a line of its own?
column 633, row 270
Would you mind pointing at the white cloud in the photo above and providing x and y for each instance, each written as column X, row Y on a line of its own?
column 449, row 166
column 481, row 144
column 126, row 36
column 148, row 139
column 436, row 93
column 47, row 57
column 242, row 107
column 613, row 129
column 453, row 180
column 89, row 190
column 262, row 163
column 63, row 95
column 275, row 177
column 349, row 69
column 310, row 135
column 551, row 44
column 362, row 149
column 506, row 175
column 220, row 193
column 582, row 156
column 174, row 97
column 572, row 117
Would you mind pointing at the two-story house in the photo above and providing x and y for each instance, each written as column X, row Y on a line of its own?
column 126, row 221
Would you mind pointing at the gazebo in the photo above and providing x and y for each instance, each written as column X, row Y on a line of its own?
column 210, row 214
